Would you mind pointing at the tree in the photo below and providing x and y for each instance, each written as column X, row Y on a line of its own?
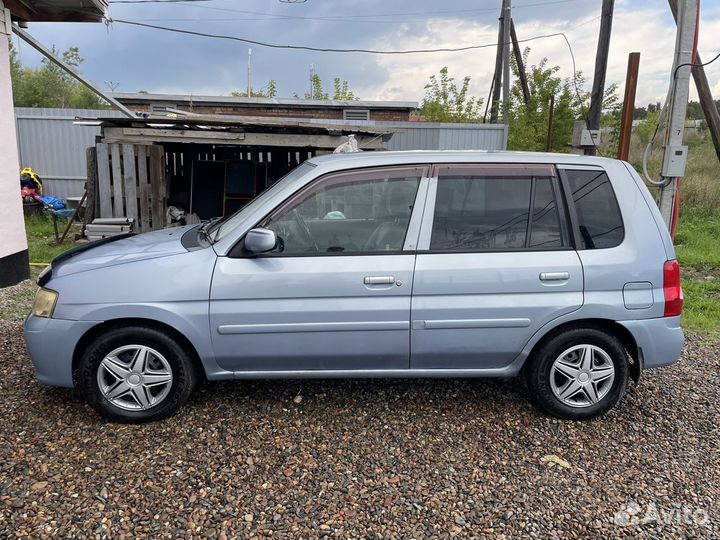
column 268, row 91
column 528, row 124
column 50, row 85
column 342, row 92
column 445, row 102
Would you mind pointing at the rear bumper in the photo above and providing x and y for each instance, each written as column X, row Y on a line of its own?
column 661, row 341
column 51, row 344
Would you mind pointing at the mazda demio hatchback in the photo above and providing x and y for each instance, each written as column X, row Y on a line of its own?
column 557, row 268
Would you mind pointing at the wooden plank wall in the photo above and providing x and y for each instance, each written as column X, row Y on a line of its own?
column 132, row 183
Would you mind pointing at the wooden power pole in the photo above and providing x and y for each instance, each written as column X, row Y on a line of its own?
column 601, row 59
column 507, row 17
column 497, row 75
column 521, row 65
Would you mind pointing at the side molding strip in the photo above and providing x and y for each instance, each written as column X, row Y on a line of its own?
column 448, row 324
column 291, row 328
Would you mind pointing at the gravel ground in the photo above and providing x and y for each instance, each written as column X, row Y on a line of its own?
column 362, row 459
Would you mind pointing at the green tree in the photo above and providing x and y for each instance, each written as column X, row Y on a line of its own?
column 342, row 91
column 444, row 101
column 268, row 91
column 50, row 85
column 528, row 124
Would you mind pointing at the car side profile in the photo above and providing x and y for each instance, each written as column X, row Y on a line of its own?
column 554, row 267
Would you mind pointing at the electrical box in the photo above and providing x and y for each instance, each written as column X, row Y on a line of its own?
column 590, row 137
column 675, row 161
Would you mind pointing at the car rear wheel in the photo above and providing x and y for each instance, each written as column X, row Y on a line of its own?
column 135, row 374
column 578, row 374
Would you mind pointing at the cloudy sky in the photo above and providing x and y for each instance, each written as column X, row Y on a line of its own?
column 164, row 62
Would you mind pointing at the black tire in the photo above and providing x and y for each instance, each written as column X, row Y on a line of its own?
column 538, row 372
column 184, row 375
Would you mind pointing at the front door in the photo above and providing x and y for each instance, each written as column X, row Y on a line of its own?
column 335, row 292
column 494, row 265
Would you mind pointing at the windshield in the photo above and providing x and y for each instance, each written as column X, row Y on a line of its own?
column 219, row 229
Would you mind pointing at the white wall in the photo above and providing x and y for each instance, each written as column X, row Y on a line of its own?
column 12, row 224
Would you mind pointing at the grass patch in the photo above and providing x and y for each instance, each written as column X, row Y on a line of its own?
column 697, row 242
column 42, row 245
column 698, row 238
column 702, row 305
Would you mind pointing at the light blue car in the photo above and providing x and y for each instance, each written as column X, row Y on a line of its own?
column 385, row 264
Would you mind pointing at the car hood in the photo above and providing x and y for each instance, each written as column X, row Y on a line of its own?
column 120, row 250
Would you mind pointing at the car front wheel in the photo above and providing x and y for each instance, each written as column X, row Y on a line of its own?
column 135, row 374
column 578, row 374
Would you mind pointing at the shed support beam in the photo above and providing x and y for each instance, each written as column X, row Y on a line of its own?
column 35, row 44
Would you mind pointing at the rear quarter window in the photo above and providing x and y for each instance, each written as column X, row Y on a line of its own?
column 598, row 215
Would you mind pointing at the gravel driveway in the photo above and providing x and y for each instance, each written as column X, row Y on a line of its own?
column 363, row 459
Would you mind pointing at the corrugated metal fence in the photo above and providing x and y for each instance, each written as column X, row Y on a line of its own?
column 54, row 146
column 52, row 143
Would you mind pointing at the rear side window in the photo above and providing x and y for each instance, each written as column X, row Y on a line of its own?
column 598, row 214
column 478, row 213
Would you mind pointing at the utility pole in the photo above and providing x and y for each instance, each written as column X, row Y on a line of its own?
column 712, row 117
column 312, row 80
column 249, row 72
column 601, row 59
column 675, row 156
column 507, row 17
column 497, row 75
column 520, row 63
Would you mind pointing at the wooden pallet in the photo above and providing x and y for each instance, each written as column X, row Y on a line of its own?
column 132, row 184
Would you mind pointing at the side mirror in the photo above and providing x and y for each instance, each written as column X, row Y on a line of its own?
column 260, row 240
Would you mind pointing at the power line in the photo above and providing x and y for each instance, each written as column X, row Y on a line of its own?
column 338, row 17
column 331, row 49
column 694, row 65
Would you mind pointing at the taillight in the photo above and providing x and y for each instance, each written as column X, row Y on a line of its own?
column 672, row 289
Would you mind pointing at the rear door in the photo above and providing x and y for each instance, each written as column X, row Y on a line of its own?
column 495, row 264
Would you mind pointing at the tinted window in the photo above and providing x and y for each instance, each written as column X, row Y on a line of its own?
column 348, row 213
column 478, row 213
column 598, row 214
column 545, row 228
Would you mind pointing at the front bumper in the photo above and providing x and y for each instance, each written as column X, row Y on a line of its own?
column 660, row 340
column 51, row 344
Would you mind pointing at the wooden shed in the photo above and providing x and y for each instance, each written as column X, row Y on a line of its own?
column 204, row 165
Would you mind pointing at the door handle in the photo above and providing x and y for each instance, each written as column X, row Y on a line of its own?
column 554, row 276
column 379, row 280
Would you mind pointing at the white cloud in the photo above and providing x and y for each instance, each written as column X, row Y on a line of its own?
column 649, row 31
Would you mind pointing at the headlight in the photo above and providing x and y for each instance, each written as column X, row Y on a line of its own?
column 44, row 303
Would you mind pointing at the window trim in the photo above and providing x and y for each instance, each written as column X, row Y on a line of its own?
column 509, row 170
column 578, row 241
column 238, row 250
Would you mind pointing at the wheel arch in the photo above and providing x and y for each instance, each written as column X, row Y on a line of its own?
column 98, row 330
column 605, row 325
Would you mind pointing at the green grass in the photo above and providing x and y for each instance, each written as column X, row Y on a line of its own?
column 698, row 239
column 42, row 245
column 702, row 305
column 698, row 247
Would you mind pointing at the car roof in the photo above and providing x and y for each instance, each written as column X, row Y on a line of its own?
column 368, row 159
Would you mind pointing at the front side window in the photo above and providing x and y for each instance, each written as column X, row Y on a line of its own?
column 495, row 213
column 598, row 214
column 355, row 212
